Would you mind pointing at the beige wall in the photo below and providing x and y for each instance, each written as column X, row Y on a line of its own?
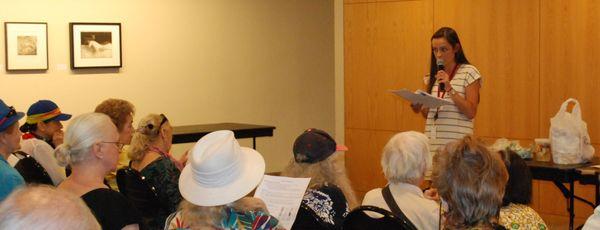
column 266, row 62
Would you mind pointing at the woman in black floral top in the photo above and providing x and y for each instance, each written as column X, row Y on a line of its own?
column 150, row 156
column 329, row 196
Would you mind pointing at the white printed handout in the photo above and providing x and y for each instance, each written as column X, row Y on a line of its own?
column 283, row 196
column 421, row 97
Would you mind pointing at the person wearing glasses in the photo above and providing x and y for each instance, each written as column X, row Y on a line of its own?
column 42, row 133
column 149, row 155
column 10, row 138
column 91, row 147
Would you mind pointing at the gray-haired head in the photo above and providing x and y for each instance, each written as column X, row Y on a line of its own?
column 44, row 207
column 406, row 158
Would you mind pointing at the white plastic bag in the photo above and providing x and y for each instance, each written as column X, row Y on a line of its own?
column 569, row 137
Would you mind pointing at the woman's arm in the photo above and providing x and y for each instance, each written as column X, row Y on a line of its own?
column 468, row 105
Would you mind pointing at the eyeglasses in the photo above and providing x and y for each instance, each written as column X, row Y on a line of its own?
column 116, row 143
column 10, row 113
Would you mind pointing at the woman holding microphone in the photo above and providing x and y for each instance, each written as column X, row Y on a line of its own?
column 453, row 79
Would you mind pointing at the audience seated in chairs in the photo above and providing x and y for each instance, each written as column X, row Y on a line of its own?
column 91, row 147
column 43, row 132
column 44, row 207
column 219, row 174
column 149, row 154
column 404, row 160
column 10, row 137
column 470, row 180
column 515, row 212
column 329, row 195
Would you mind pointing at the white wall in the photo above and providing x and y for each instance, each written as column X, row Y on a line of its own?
column 264, row 61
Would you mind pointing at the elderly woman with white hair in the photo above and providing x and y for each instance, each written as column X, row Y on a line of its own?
column 91, row 147
column 37, row 207
column 405, row 160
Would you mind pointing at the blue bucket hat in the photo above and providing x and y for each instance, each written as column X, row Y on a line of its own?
column 8, row 116
column 43, row 111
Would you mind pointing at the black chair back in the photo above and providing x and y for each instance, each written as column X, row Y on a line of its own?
column 31, row 170
column 144, row 197
column 358, row 219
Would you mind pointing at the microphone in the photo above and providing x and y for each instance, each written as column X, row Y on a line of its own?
column 440, row 66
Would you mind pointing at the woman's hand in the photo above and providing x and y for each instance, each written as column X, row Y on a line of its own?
column 416, row 107
column 183, row 159
column 432, row 194
column 443, row 78
column 58, row 137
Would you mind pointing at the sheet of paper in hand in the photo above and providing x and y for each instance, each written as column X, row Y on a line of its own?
column 421, row 97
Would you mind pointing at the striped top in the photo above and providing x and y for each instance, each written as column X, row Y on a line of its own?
column 451, row 124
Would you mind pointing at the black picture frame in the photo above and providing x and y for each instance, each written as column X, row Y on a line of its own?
column 95, row 45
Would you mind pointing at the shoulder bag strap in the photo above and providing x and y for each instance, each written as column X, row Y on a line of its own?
column 389, row 200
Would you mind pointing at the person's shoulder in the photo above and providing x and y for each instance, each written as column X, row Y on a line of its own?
column 102, row 195
column 468, row 68
column 371, row 196
column 9, row 175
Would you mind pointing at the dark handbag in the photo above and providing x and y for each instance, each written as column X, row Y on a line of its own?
column 31, row 170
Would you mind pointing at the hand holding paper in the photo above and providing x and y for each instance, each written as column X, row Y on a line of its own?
column 421, row 97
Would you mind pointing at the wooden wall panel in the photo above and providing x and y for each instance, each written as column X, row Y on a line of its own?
column 558, row 205
column 383, row 41
column 569, row 60
column 363, row 157
column 508, row 63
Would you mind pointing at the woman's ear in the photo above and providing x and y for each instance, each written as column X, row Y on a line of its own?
column 3, row 137
column 97, row 150
column 162, row 132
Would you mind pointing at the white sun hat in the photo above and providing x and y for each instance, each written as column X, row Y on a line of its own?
column 220, row 171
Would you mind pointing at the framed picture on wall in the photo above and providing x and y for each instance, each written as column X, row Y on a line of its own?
column 26, row 45
column 95, row 45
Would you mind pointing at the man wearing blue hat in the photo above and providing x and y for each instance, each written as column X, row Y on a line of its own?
column 10, row 138
column 43, row 132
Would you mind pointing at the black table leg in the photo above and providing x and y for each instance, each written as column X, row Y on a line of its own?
column 571, row 204
column 254, row 143
column 597, row 184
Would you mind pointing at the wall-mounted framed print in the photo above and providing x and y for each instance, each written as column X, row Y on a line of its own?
column 26, row 45
column 95, row 45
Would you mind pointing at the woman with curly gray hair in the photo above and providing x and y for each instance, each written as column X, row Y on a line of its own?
column 471, row 180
